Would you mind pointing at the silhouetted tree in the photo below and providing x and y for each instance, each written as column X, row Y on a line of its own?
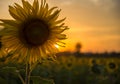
column 78, row 47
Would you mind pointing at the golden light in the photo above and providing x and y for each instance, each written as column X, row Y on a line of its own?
column 57, row 46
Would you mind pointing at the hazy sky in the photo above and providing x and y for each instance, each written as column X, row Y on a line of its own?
column 93, row 23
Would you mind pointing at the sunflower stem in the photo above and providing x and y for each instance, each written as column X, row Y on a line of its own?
column 21, row 78
column 27, row 78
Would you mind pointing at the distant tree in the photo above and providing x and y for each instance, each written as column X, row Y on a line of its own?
column 78, row 47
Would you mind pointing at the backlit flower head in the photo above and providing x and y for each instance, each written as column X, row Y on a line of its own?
column 111, row 66
column 34, row 31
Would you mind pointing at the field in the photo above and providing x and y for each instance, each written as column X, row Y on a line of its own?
column 66, row 70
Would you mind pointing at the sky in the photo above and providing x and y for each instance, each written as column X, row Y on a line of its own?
column 93, row 23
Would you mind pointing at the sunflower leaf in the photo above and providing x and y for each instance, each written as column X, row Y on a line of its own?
column 39, row 80
column 9, row 69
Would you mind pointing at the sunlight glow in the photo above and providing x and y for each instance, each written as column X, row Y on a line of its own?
column 57, row 46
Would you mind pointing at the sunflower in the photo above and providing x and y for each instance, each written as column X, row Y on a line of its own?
column 111, row 66
column 34, row 31
column 68, row 62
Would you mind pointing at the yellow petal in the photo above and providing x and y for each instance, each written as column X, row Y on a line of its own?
column 59, row 21
column 20, row 11
column 61, row 36
column 35, row 7
column 9, row 22
column 45, row 12
column 42, row 8
column 54, row 16
column 51, row 10
column 27, row 6
column 14, row 14
column 58, row 30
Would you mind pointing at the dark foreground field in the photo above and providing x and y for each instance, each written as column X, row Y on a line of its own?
column 66, row 70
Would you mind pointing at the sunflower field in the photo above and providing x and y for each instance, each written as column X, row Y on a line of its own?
column 65, row 70
column 29, row 47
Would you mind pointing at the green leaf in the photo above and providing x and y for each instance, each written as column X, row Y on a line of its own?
column 39, row 80
column 9, row 69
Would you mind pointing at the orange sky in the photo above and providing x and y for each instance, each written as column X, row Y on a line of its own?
column 93, row 23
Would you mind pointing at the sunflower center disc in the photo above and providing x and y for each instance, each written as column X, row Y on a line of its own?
column 112, row 65
column 36, row 32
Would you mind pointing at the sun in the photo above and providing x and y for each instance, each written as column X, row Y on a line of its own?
column 57, row 46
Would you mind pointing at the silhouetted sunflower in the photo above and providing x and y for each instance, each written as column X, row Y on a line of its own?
column 34, row 31
column 111, row 66
column 69, row 63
